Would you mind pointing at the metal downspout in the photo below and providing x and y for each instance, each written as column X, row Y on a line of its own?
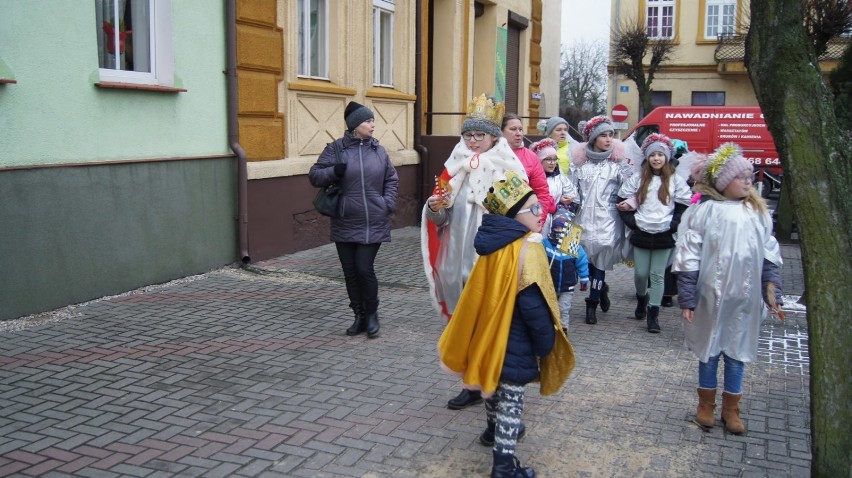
column 233, row 130
column 615, row 29
column 422, row 190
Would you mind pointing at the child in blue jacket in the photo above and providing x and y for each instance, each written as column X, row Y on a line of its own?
column 565, row 269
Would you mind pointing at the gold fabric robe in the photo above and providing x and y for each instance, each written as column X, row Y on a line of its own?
column 473, row 345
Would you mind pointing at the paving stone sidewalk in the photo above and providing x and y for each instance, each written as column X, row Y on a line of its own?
column 247, row 373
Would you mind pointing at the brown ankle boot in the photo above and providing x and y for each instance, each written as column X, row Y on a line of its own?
column 706, row 405
column 731, row 413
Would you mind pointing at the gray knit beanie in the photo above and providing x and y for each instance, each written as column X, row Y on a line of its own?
column 597, row 126
column 551, row 125
column 657, row 143
column 477, row 124
column 355, row 114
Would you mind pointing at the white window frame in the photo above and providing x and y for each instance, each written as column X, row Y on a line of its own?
column 380, row 77
column 305, row 49
column 161, row 48
column 658, row 6
column 718, row 24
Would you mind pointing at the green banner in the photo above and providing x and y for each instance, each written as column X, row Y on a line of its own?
column 500, row 66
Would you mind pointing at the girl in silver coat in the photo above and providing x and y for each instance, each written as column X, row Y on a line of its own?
column 727, row 261
column 599, row 168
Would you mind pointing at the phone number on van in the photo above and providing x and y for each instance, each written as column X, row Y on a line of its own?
column 765, row 161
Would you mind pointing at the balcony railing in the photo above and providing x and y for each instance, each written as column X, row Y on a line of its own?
column 731, row 48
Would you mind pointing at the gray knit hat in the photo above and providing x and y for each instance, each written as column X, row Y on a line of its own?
column 657, row 143
column 477, row 124
column 597, row 126
column 546, row 127
column 484, row 114
column 355, row 114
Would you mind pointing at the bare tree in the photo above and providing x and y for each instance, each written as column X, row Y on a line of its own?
column 826, row 19
column 583, row 76
column 817, row 160
column 630, row 45
column 582, row 82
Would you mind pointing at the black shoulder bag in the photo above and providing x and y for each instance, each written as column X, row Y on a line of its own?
column 327, row 200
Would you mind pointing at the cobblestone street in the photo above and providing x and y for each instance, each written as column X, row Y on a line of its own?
column 248, row 373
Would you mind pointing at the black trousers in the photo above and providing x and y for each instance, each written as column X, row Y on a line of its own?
column 670, row 283
column 361, row 283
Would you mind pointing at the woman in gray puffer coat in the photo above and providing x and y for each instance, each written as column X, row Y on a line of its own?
column 368, row 181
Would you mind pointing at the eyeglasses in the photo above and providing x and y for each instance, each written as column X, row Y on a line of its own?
column 535, row 210
column 747, row 178
column 476, row 136
column 549, row 160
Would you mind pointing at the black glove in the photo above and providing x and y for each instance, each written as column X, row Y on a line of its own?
column 339, row 169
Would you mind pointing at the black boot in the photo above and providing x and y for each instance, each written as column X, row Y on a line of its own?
column 667, row 301
column 508, row 466
column 372, row 325
column 487, row 437
column 641, row 305
column 653, row 325
column 591, row 305
column 360, row 323
column 605, row 297
column 465, row 399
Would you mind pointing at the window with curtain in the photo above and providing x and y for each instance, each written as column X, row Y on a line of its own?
column 313, row 38
column 659, row 17
column 134, row 41
column 383, row 42
column 720, row 18
column 708, row 98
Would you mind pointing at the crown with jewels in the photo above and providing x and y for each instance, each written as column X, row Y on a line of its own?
column 506, row 193
column 484, row 108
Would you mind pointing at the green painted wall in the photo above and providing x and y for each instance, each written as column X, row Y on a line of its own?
column 75, row 233
column 54, row 114
column 72, row 234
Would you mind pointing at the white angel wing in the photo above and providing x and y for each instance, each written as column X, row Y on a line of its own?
column 684, row 166
column 634, row 152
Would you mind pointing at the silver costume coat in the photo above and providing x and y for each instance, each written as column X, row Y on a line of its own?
column 559, row 184
column 597, row 182
column 726, row 242
column 449, row 260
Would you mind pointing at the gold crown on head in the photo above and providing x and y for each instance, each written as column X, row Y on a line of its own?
column 482, row 107
column 506, row 193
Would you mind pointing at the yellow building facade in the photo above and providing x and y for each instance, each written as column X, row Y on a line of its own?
column 415, row 63
column 706, row 67
column 505, row 48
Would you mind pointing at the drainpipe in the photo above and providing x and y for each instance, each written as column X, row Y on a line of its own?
column 422, row 191
column 233, row 131
column 615, row 29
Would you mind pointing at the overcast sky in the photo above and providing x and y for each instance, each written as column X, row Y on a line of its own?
column 583, row 19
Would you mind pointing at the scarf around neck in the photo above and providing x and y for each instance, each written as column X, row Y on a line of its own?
column 597, row 155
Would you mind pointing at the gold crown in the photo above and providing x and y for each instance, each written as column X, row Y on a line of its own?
column 482, row 107
column 506, row 193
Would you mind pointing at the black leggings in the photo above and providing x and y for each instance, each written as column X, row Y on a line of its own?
column 361, row 283
column 597, row 277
